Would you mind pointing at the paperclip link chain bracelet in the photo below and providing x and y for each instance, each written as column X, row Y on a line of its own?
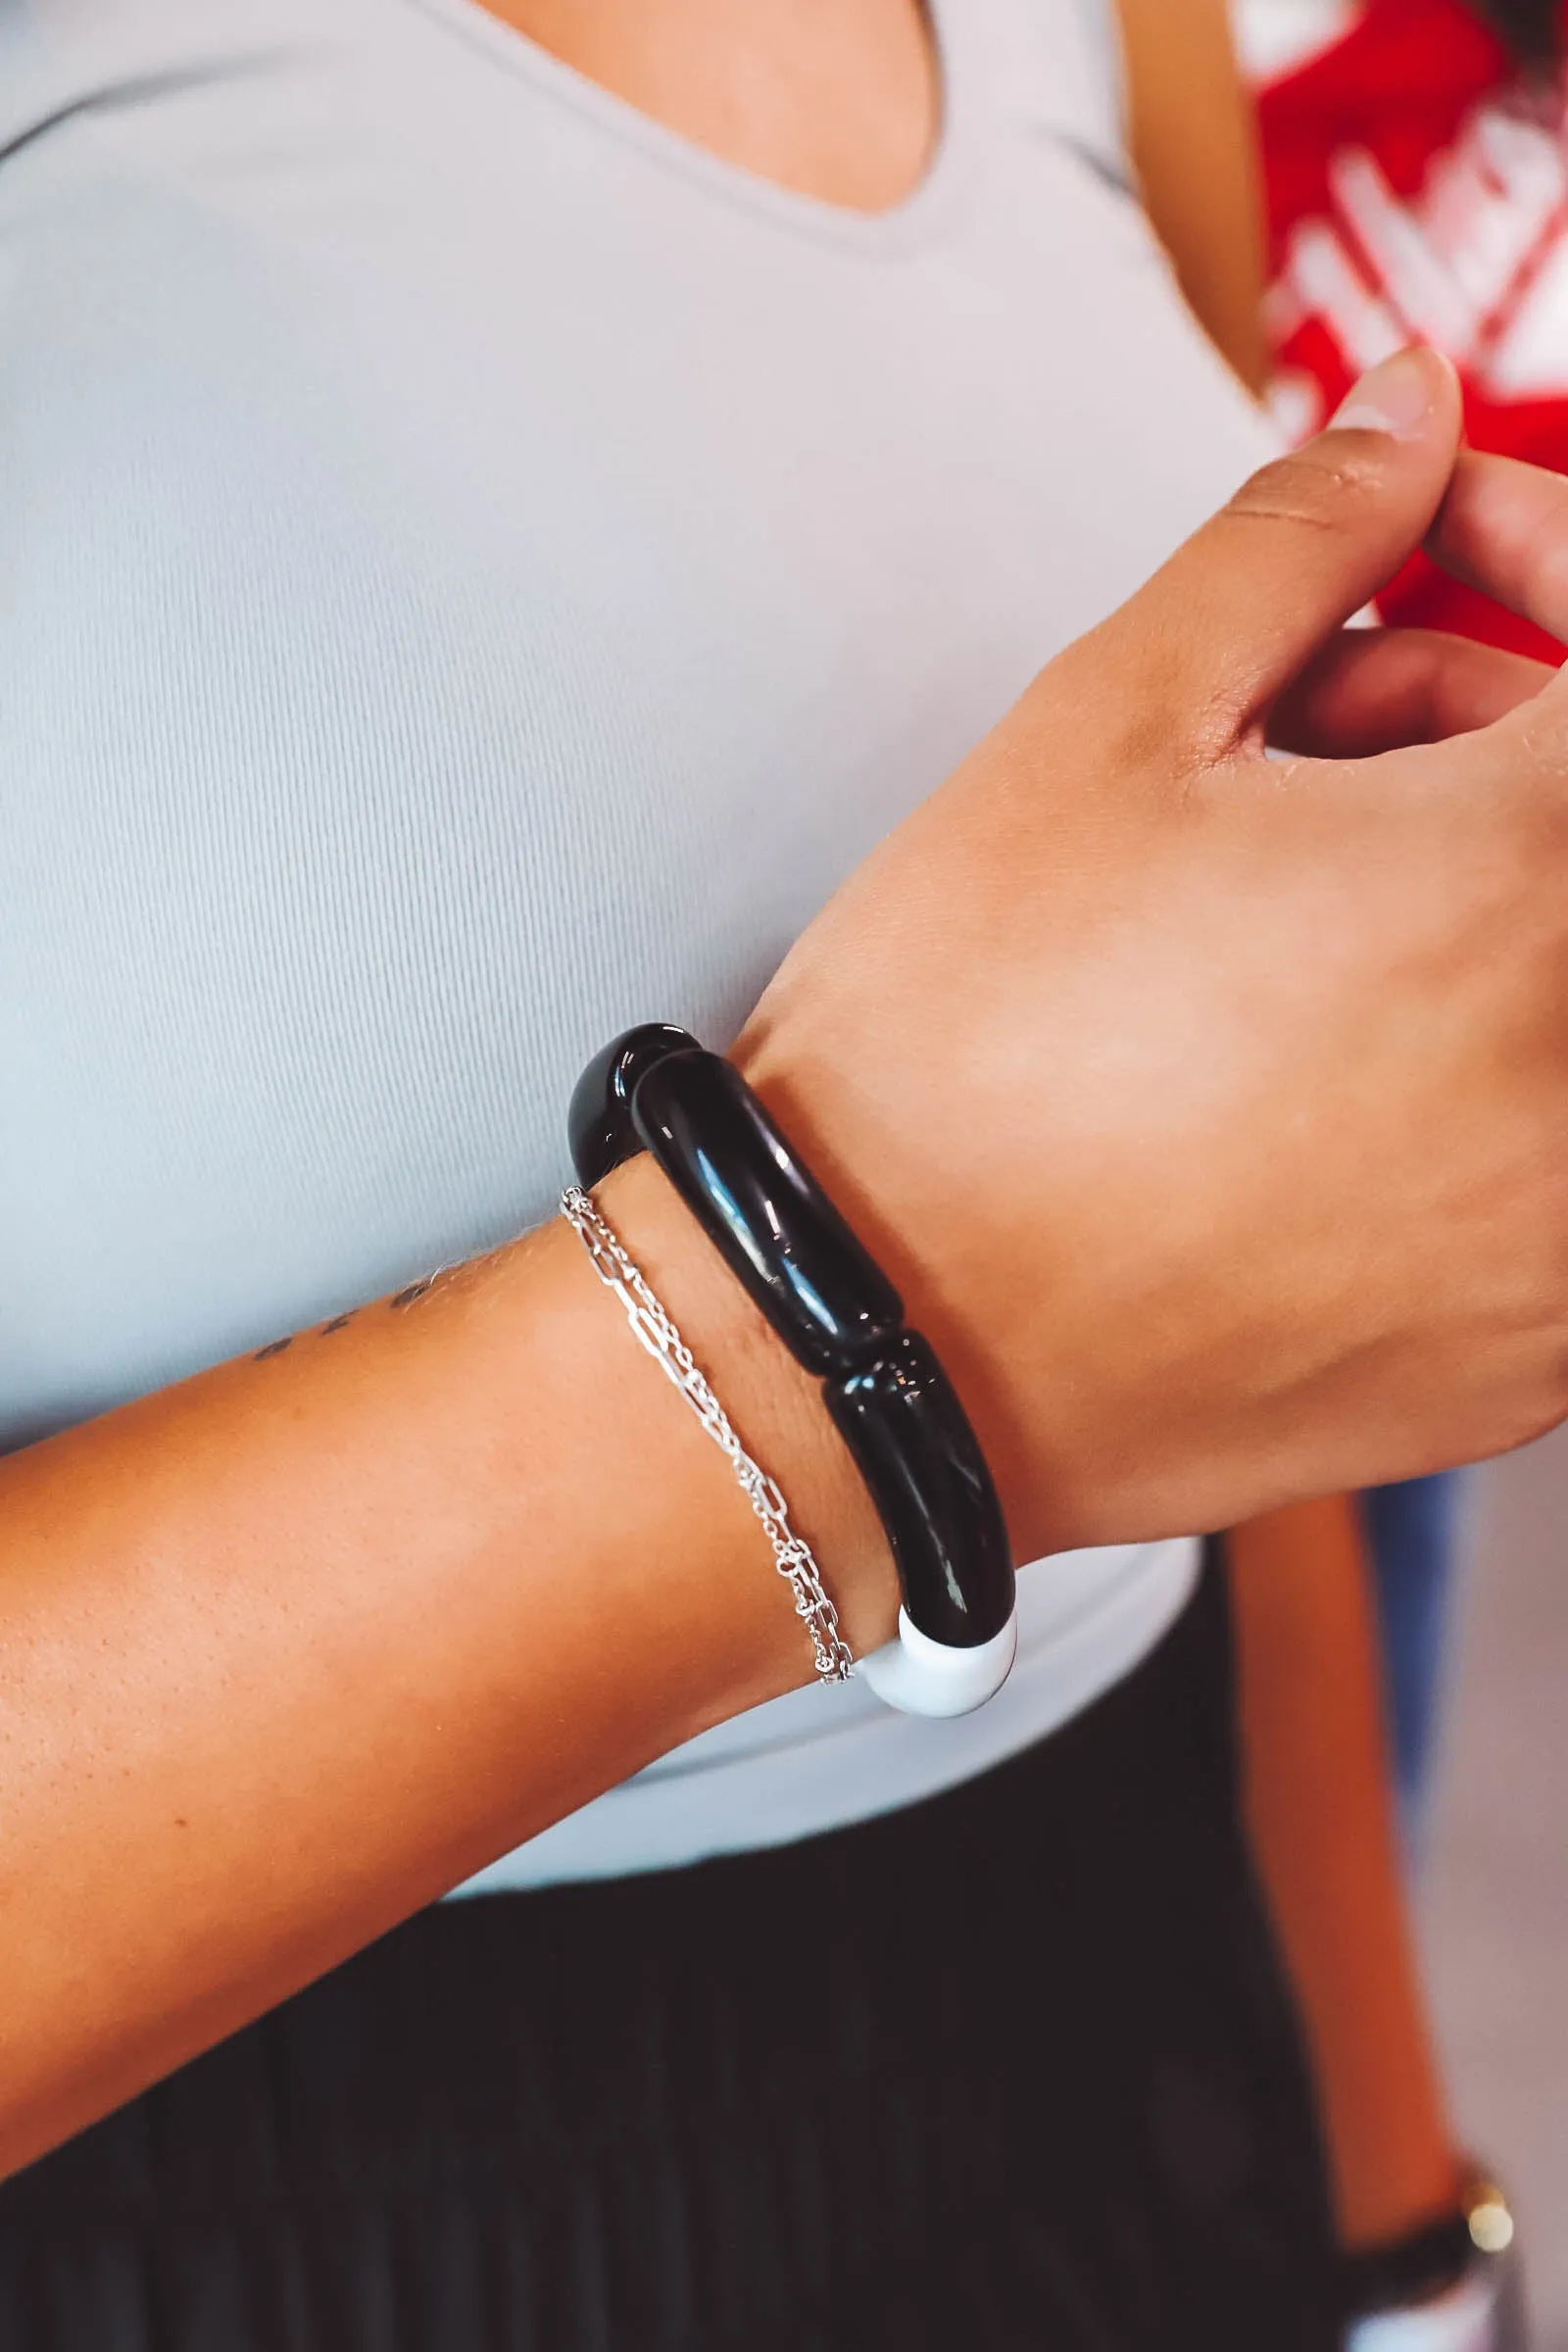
column 792, row 1555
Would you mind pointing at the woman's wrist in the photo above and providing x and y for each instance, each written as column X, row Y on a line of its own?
column 943, row 1265
column 776, row 1409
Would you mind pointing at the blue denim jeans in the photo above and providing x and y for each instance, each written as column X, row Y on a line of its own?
column 1412, row 1530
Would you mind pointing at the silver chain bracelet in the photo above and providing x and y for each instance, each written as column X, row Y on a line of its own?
column 792, row 1555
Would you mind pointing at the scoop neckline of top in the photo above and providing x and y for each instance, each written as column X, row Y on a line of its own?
column 898, row 227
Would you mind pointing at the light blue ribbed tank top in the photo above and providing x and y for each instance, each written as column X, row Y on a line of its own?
column 475, row 572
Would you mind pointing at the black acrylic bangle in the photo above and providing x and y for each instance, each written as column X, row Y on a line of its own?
column 829, row 1302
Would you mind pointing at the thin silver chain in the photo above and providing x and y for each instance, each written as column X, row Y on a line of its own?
column 792, row 1555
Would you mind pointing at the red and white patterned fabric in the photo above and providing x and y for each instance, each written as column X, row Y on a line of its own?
column 1417, row 188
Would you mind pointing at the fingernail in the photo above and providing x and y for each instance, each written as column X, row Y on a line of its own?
column 1394, row 397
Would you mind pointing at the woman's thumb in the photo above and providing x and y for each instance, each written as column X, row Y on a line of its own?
column 1239, row 609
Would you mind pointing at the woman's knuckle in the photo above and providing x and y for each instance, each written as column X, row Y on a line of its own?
column 1312, row 488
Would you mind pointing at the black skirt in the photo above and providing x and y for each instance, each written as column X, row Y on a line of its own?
column 1011, row 2071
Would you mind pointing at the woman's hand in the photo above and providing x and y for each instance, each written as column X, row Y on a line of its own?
column 1212, row 1111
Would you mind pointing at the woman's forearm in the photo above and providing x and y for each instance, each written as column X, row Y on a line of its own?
column 1322, row 1821
column 290, row 1648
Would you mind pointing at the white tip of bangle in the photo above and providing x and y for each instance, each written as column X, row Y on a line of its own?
column 1464, row 2319
column 922, row 1677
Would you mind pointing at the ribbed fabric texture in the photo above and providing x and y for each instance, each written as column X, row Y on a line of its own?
column 475, row 572
column 1013, row 2071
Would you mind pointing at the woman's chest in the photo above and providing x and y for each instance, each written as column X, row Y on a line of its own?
column 423, row 653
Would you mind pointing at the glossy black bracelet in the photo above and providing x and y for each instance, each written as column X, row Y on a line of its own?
column 656, row 1089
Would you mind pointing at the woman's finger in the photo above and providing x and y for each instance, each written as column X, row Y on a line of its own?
column 1226, row 624
column 1377, row 690
column 1503, row 528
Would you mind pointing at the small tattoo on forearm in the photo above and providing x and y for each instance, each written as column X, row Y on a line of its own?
column 403, row 1297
